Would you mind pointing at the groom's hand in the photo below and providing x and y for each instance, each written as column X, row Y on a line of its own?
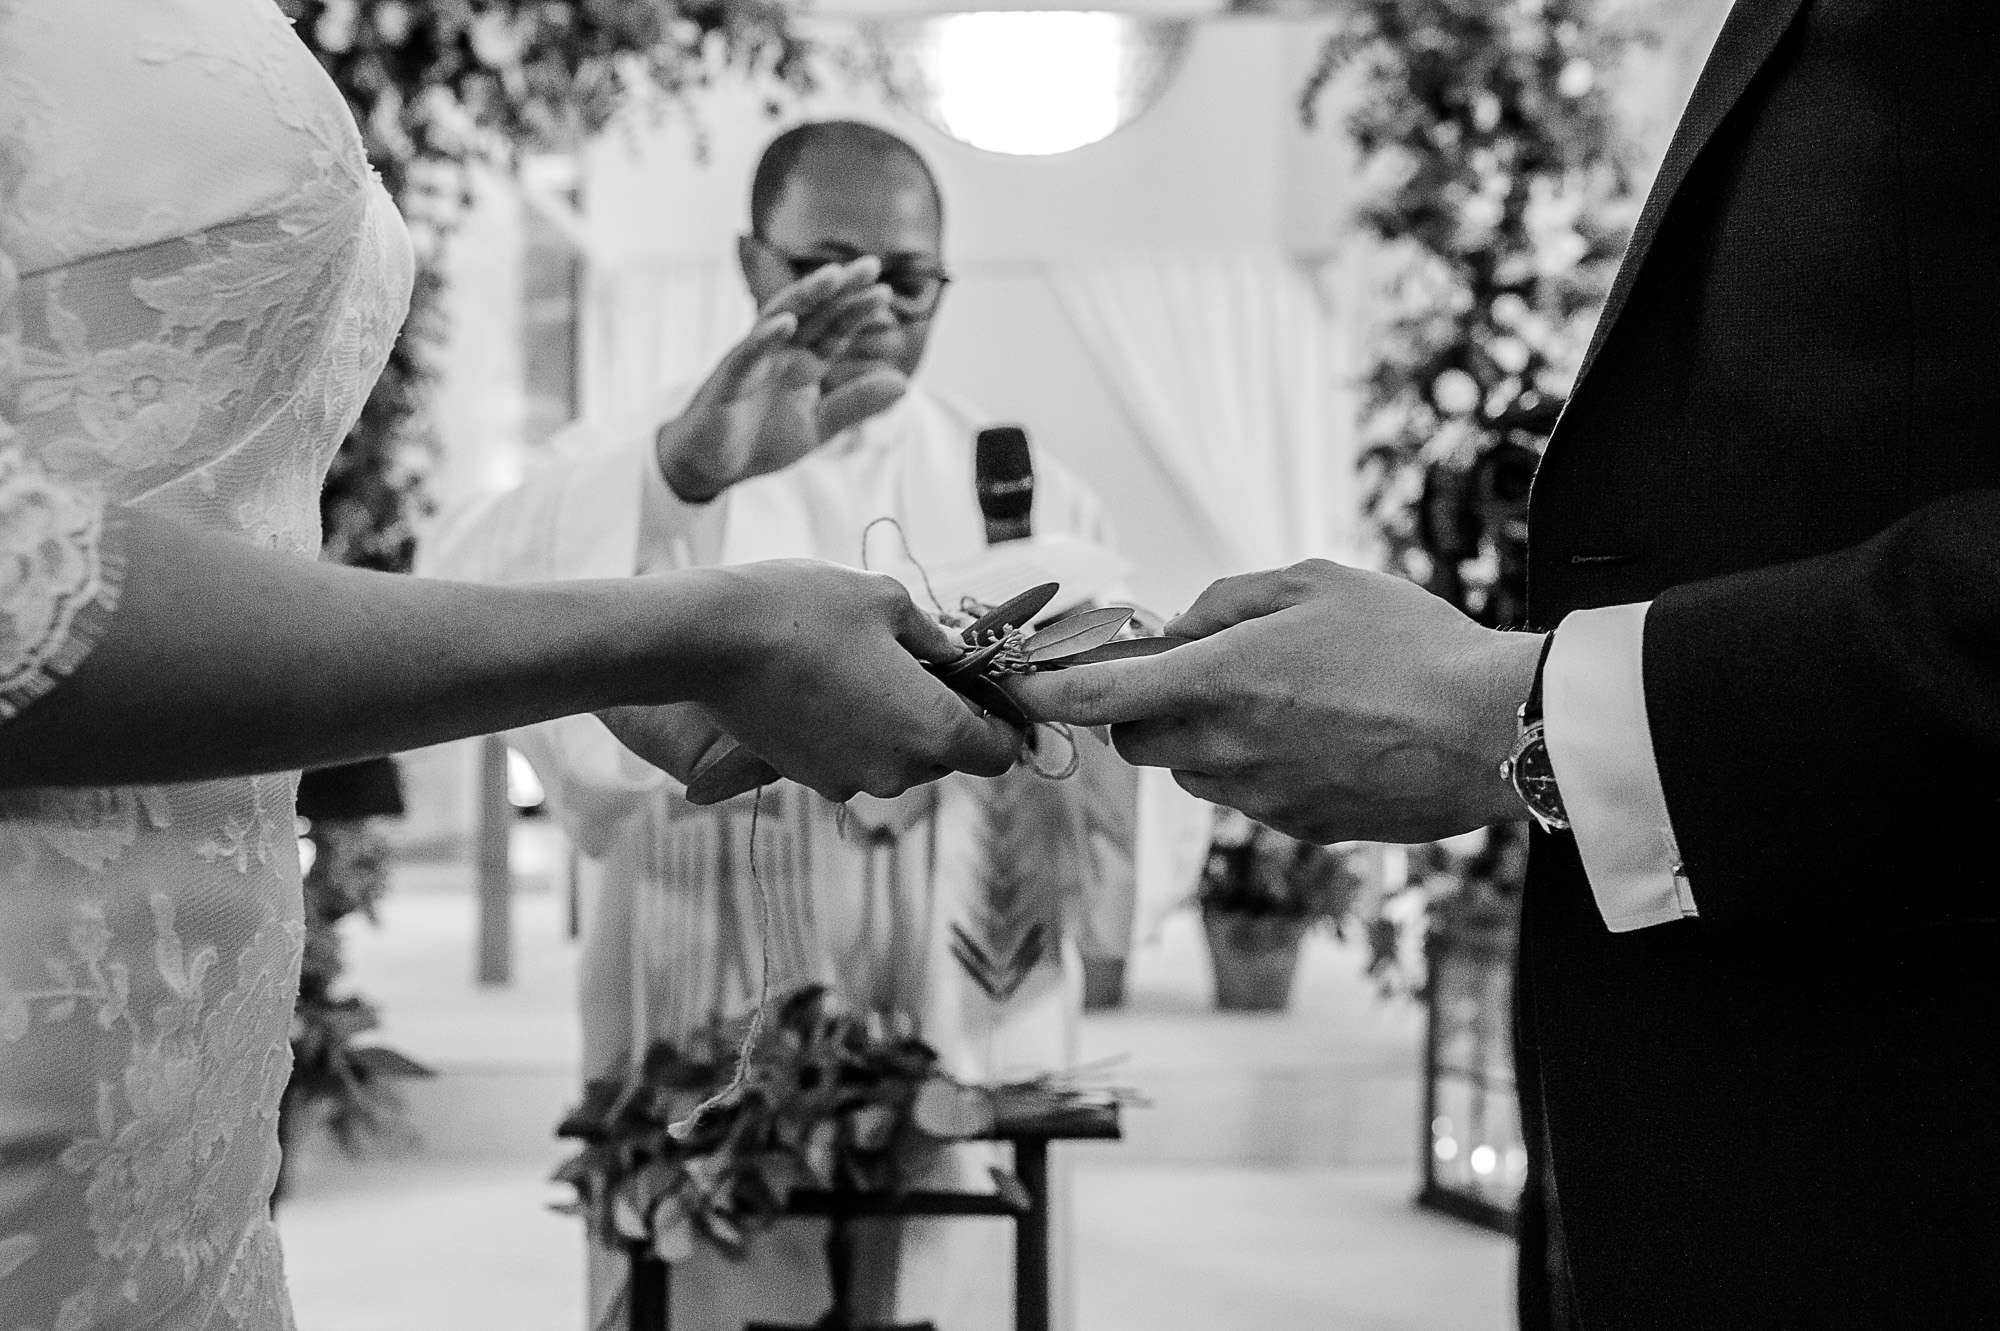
column 783, row 390
column 1329, row 702
column 819, row 675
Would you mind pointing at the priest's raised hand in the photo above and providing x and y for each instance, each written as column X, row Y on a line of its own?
column 788, row 386
column 1329, row 702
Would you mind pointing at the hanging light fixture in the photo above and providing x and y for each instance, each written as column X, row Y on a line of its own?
column 1030, row 82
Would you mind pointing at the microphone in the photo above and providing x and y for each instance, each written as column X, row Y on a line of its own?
column 1003, row 474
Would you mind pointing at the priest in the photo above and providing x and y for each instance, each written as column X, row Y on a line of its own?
column 959, row 904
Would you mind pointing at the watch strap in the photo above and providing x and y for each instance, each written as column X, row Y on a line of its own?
column 1531, row 707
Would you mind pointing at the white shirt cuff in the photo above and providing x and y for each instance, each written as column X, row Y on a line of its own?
column 1601, row 748
column 674, row 533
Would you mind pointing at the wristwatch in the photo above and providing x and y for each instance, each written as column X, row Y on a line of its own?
column 1527, row 769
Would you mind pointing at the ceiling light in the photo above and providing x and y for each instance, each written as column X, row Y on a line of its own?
column 1031, row 82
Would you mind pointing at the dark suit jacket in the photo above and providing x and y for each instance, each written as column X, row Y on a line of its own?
column 1787, row 436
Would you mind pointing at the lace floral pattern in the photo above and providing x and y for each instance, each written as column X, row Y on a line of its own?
column 198, row 1077
column 199, row 281
column 53, row 570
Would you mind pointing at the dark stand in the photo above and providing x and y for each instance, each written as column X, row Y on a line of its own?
column 651, row 1307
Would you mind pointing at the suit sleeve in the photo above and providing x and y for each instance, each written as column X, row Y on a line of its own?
column 1828, row 731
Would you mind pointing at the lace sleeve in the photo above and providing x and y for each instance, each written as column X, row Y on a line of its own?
column 58, row 563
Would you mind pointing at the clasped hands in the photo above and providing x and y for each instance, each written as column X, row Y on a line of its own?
column 1331, row 703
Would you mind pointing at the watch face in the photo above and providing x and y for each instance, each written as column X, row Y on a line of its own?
column 1535, row 779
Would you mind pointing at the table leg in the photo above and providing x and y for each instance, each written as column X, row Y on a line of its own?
column 495, row 873
column 1031, row 1237
column 650, row 1295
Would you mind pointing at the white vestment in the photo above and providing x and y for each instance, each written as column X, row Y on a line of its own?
column 865, row 902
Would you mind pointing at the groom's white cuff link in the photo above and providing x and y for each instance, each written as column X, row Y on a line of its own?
column 1600, row 746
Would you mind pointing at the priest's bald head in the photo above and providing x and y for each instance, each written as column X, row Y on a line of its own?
column 833, row 190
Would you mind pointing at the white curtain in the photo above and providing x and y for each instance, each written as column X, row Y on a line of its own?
column 654, row 325
column 1229, row 367
column 1232, row 373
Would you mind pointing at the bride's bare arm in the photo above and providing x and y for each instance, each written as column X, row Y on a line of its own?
column 222, row 660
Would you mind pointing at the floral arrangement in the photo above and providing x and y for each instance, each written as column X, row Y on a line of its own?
column 828, row 1103
column 1503, row 200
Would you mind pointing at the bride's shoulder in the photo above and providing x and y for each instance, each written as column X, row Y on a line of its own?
column 124, row 122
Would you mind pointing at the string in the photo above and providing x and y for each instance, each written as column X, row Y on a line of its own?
column 1068, row 769
column 681, row 1130
column 909, row 554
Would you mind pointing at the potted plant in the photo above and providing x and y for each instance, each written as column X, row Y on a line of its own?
column 833, row 1100
column 1260, row 892
column 827, row 1104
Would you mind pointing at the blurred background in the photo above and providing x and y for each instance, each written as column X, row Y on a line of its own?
column 1276, row 280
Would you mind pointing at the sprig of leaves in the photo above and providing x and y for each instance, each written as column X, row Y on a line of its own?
column 827, row 1105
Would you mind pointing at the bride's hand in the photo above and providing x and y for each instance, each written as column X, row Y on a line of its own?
column 678, row 738
column 816, row 671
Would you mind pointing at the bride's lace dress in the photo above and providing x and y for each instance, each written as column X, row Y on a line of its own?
column 199, row 280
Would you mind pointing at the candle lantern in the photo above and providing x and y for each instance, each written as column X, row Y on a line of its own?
column 1474, row 1160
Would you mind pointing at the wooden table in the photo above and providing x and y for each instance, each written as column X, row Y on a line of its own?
column 651, row 1288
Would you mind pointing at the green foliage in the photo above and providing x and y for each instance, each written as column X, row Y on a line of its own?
column 1252, row 870
column 827, row 1105
column 1503, row 201
column 452, row 81
column 347, row 1087
column 1459, row 890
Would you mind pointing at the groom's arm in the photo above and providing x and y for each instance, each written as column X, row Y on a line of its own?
column 1828, row 731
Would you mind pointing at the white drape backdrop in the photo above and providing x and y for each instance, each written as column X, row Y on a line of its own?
column 1227, row 366
column 1231, row 370
column 648, row 327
